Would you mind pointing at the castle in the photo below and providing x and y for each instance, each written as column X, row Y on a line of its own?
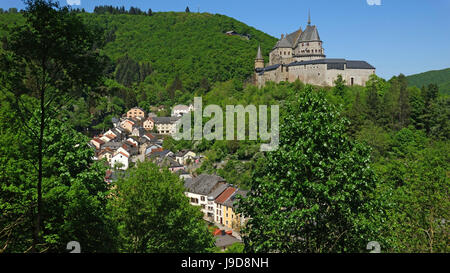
column 300, row 55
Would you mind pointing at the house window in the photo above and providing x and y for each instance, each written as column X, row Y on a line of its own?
column 202, row 198
column 352, row 80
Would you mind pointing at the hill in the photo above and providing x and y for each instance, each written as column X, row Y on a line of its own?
column 439, row 77
column 193, row 46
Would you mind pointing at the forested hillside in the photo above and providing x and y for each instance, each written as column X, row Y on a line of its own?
column 355, row 164
column 159, row 59
column 439, row 77
column 190, row 45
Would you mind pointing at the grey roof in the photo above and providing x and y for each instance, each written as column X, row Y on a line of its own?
column 221, row 188
column 225, row 240
column 138, row 108
column 271, row 67
column 160, row 154
column 188, row 182
column 310, row 34
column 259, row 55
column 283, row 43
column 204, row 184
column 180, row 107
column 359, row 65
column 289, row 40
column 170, row 163
column 293, row 37
column 231, row 202
column 112, row 144
column 333, row 63
column 165, row 120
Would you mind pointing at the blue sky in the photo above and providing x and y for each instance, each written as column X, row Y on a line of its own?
column 398, row 36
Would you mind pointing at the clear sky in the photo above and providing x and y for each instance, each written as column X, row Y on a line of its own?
column 396, row 36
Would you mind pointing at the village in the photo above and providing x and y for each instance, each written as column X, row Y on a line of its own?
column 138, row 136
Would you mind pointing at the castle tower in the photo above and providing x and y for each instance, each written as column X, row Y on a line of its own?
column 309, row 46
column 259, row 61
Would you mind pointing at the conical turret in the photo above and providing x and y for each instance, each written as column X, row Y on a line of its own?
column 259, row 61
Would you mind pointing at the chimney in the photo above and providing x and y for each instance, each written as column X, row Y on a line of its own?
column 282, row 36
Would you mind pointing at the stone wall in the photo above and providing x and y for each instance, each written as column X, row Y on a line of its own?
column 316, row 74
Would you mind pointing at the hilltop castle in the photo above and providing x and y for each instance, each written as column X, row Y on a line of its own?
column 300, row 55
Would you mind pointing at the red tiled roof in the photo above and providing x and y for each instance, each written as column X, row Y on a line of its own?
column 129, row 121
column 131, row 143
column 225, row 195
column 98, row 140
column 157, row 150
column 123, row 154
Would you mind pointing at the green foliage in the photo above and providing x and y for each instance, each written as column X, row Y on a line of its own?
column 415, row 177
column 74, row 193
column 196, row 41
column 339, row 86
column 154, row 215
column 235, row 248
column 315, row 193
column 439, row 77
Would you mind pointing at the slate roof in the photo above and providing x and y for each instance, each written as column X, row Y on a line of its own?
column 165, row 120
column 230, row 202
column 350, row 64
column 188, row 182
column 258, row 54
column 289, row 40
column 204, row 184
column 218, row 191
column 310, row 35
column 359, row 65
column 283, row 43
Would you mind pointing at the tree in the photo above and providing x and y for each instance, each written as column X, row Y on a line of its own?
column 373, row 102
column 187, row 10
column 74, row 195
column 313, row 194
column 415, row 177
column 356, row 115
column 154, row 215
column 53, row 57
column 339, row 86
column 404, row 106
column 150, row 12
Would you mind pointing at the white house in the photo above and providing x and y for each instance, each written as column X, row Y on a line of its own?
column 121, row 160
column 200, row 188
column 183, row 156
column 179, row 110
